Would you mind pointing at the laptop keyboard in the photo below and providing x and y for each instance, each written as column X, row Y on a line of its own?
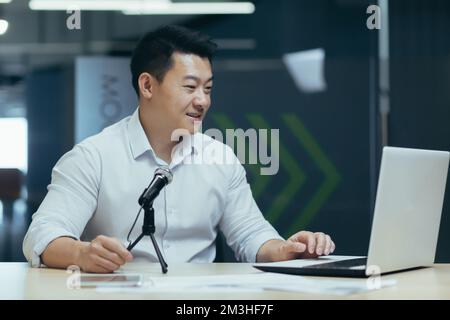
column 356, row 264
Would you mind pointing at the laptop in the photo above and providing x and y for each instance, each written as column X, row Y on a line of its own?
column 406, row 219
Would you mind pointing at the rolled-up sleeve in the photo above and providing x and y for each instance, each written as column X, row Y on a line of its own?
column 242, row 223
column 69, row 204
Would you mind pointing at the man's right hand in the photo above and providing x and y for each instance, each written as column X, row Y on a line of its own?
column 102, row 255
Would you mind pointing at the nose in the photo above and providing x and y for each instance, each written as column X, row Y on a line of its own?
column 201, row 100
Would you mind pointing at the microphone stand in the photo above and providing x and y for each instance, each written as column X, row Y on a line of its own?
column 148, row 229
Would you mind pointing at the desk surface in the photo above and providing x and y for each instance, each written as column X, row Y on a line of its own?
column 19, row 281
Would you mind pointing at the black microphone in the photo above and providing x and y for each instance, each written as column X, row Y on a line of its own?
column 162, row 177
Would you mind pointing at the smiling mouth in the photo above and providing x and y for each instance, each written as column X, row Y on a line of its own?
column 195, row 116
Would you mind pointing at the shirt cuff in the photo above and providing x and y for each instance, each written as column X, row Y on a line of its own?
column 42, row 244
column 256, row 243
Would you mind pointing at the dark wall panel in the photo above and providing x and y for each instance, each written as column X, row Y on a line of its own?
column 49, row 99
column 420, row 78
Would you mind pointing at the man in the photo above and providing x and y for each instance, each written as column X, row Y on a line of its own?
column 92, row 199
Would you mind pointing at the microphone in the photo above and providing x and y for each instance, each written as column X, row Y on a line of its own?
column 163, row 176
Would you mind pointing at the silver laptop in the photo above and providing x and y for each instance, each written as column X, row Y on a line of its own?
column 406, row 219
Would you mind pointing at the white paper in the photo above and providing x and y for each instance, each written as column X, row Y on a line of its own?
column 282, row 282
column 307, row 69
column 253, row 282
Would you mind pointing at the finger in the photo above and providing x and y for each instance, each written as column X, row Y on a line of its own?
column 320, row 243
column 115, row 246
column 327, row 245
column 306, row 237
column 311, row 243
column 108, row 255
column 108, row 265
column 300, row 236
column 333, row 246
column 296, row 247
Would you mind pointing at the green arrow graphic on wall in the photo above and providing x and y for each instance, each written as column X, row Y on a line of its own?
column 259, row 181
column 289, row 164
column 332, row 177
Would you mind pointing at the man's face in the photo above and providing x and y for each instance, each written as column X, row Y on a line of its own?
column 184, row 96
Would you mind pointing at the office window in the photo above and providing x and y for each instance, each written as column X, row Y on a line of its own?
column 13, row 143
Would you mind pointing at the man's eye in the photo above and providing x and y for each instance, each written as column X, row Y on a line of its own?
column 190, row 87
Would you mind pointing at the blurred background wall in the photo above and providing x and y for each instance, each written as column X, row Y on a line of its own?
column 336, row 90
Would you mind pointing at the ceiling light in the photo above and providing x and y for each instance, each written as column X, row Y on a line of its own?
column 88, row 5
column 197, row 8
column 146, row 6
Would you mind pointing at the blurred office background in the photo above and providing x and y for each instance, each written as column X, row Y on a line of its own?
column 337, row 91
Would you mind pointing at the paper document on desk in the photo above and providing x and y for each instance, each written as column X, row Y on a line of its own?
column 256, row 282
column 293, row 283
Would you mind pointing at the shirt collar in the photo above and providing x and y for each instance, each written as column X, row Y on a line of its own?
column 138, row 139
column 190, row 145
column 139, row 143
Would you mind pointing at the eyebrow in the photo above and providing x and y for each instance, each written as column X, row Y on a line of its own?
column 189, row 77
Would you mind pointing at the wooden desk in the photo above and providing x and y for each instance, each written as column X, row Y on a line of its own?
column 19, row 281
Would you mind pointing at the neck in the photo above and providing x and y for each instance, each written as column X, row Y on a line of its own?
column 158, row 136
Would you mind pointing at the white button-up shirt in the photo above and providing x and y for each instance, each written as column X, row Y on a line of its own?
column 95, row 189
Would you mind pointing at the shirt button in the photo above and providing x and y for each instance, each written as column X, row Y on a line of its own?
column 166, row 245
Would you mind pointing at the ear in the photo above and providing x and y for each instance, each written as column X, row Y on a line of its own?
column 146, row 85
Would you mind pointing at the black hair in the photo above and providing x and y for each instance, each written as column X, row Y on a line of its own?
column 153, row 53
